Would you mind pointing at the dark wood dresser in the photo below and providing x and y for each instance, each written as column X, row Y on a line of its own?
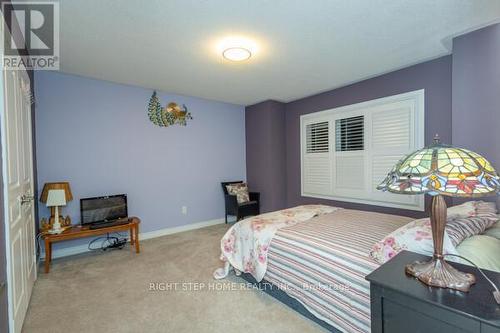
column 400, row 303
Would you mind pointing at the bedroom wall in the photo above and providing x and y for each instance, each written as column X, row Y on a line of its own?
column 97, row 136
column 476, row 92
column 265, row 151
column 434, row 76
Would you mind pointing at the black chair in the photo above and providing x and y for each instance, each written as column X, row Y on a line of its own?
column 233, row 208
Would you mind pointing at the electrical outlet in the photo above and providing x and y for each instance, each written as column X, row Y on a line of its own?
column 184, row 210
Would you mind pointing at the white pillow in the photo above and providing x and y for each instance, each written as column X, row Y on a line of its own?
column 415, row 236
column 471, row 209
column 466, row 209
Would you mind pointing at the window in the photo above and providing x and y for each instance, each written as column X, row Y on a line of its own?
column 346, row 152
column 317, row 137
column 349, row 133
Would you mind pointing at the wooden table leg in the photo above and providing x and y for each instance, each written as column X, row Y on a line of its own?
column 136, row 238
column 48, row 254
column 132, row 236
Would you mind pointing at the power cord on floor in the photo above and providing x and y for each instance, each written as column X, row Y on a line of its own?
column 108, row 243
column 38, row 240
column 496, row 293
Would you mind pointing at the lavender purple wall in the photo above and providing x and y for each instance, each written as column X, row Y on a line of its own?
column 265, row 149
column 97, row 136
column 476, row 92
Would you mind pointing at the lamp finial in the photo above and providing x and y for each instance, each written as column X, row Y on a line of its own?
column 437, row 139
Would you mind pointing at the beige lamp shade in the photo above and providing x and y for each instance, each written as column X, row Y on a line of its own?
column 56, row 198
column 68, row 196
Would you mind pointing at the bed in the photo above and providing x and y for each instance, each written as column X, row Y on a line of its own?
column 323, row 264
column 318, row 265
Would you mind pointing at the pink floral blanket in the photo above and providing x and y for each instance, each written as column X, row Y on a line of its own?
column 245, row 245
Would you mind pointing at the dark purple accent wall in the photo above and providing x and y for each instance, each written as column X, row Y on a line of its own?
column 264, row 135
column 265, row 153
column 434, row 76
column 476, row 92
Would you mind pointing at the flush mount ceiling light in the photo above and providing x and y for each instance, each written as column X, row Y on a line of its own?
column 236, row 53
column 236, row 48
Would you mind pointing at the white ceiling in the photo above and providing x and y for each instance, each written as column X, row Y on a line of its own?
column 305, row 46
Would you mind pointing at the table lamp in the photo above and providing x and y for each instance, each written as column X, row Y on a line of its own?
column 440, row 170
column 55, row 186
column 56, row 198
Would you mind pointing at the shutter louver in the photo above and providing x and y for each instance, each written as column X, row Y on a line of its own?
column 391, row 139
column 317, row 163
column 317, row 138
column 392, row 129
column 350, row 134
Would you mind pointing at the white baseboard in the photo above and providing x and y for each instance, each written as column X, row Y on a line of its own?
column 69, row 251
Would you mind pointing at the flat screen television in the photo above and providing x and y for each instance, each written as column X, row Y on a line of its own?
column 103, row 209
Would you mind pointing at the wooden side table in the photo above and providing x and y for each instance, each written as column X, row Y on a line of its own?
column 79, row 231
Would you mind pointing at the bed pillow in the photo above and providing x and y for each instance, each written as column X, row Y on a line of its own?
column 460, row 226
column 486, row 208
column 415, row 236
column 482, row 250
column 467, row 209
column 493, row 231
column 471, row 208
column 460, row 229
column 240, row 190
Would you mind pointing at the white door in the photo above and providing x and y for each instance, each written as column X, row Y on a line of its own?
column 19, row 185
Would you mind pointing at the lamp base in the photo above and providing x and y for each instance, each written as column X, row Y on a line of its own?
column 438, row 273
column 55, row 231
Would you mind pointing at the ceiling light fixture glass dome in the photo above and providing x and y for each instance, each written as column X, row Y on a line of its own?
column 236, row 54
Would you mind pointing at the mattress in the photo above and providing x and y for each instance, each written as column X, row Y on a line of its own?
column 323, row 263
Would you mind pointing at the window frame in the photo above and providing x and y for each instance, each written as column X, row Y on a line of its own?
column 417, row 97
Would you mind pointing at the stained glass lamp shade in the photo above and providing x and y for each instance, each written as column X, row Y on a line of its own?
column 439, row 170
column 442, row 169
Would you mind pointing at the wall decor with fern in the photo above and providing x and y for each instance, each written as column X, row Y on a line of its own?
column 171, row 114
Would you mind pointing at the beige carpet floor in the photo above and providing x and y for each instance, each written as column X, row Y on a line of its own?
column 110, row 292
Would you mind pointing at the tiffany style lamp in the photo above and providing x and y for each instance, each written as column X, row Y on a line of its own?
column 442, row 170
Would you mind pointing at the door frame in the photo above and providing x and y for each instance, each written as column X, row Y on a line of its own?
column 5, row 212
column 5, row 216
column 4, row 196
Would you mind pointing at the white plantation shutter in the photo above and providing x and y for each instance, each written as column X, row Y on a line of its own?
column 393, row 136
column 348, row 151
column 349, row 133
column 349, row 157
column 317, row 137
column 316, row 158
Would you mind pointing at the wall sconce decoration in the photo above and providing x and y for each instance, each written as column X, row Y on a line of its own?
column 170, row 115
